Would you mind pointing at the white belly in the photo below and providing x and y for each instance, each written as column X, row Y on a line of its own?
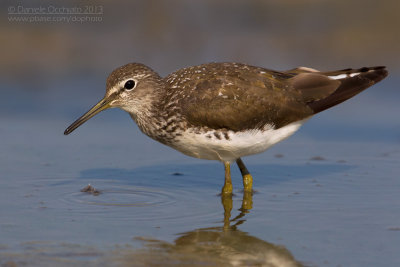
column 238, row 145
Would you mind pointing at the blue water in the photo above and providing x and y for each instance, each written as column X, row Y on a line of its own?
column 328, row 196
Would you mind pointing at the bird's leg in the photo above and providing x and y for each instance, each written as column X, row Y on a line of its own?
column 247, row 201
column 227, row 189
column 247, row 178
column 227, row 203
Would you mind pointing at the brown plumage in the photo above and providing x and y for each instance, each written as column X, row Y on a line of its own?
column 224, row 111
column 240, row 97
column 349, row 86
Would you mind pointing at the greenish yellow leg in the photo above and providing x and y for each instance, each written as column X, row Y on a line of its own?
column 247, row 182
column 247, row 201
column 227, row 189
column 247, row 178
column 227, row 203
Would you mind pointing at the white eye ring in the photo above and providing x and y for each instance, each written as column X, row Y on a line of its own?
column 129, row 84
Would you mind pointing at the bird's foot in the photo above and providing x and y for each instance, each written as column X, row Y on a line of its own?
column 248, row 183
column 247, row 201
column 227, row 189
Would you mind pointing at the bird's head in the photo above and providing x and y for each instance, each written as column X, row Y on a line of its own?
column 132, row 87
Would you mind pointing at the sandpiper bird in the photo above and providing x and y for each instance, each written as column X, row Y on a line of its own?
column 225, row 111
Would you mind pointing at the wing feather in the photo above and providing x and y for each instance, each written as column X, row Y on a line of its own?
column 241, row 97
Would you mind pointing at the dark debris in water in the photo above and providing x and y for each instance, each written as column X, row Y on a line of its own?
column 91, row 190
column 177, row 173
column 279, row 156
column 389, row 153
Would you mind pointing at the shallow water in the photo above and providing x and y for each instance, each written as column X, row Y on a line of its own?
column 328, row 196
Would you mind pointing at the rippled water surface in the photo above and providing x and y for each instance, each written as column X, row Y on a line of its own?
column 329, row 196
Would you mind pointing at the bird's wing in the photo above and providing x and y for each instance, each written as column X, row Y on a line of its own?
column 352, row 82
column 301, row 70
column 250, row 98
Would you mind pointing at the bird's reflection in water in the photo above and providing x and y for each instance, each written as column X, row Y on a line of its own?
column 215, row 246
column 227, row 203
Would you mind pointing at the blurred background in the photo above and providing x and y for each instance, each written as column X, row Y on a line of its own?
column 329, row 194
column 55, row 66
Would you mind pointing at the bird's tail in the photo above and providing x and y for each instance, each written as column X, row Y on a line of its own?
column 353, row 81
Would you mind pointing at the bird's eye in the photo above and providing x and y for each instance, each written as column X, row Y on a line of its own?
column 129, row 84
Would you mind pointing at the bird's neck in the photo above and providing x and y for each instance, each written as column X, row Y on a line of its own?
column 144, row 111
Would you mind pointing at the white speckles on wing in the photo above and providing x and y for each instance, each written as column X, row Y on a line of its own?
column 338, row 77
column 308, row 69
column 344, row 75
column 354, row 74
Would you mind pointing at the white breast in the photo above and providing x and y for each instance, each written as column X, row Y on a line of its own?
column 208, row 146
